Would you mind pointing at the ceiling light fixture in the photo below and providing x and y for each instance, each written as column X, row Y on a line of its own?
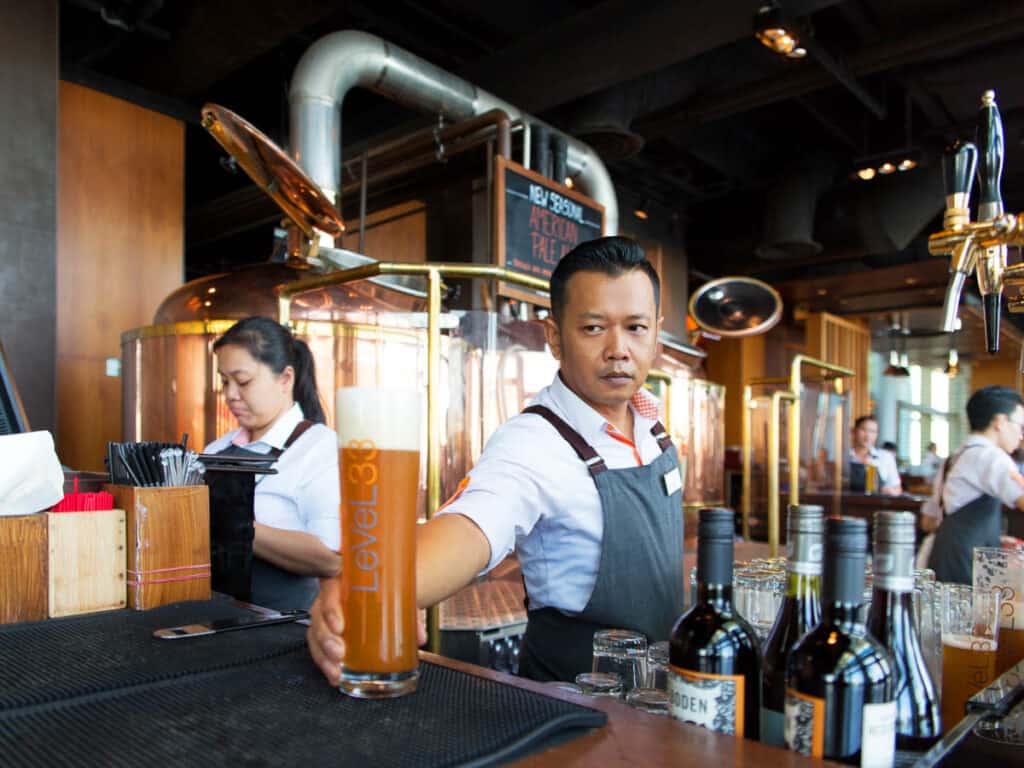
column 641, row 211
column 953, row 364
column 777, row 33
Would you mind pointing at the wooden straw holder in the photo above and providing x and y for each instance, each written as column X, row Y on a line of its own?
column 168, row 543
column 23, row 566
column 87, row 561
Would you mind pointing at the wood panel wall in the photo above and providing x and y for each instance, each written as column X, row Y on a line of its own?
column 120, row 251
column 994, row 370
column 398, row 233
column 842, row 342
column 733, row 363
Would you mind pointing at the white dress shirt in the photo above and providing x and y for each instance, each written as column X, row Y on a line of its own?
column 304, row 494
column 885, row 463
column 531, row 493
column 985, row 469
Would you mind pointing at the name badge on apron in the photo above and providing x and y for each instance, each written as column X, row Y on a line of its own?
column 672, row 480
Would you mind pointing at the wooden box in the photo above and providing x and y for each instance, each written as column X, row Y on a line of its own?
column 23, row 564
column 87, row 557
column 168, row 543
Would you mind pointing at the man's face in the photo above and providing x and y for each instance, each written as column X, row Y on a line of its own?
column 866, row 435
column 1008, row 429
column 607, row 336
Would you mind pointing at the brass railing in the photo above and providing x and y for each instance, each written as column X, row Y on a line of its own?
column 434, row 274
column 791, row 395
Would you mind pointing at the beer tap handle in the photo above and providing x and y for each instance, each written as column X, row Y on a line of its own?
column 990, row 169
column 959, row 163
column 991, row 262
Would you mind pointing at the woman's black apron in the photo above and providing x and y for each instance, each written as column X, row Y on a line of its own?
column 976, row 524
column 639, row 582
column 236, row 571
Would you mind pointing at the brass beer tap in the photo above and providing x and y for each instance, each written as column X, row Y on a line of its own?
column 979, row 246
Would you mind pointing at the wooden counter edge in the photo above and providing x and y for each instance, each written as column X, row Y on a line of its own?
column 632, row 738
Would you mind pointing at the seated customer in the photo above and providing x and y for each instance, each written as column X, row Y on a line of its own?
column 974, row 484
column 270, row 387
column 863, row 454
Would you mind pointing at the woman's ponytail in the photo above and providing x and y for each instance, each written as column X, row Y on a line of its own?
column 304, row 391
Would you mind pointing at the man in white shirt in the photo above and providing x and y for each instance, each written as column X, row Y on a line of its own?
column 971, row 489
column 931, row 462
column 584, row 484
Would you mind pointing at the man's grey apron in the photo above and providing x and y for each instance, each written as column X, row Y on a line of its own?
column 271, row 587
column 976, row 524
column 639, row 582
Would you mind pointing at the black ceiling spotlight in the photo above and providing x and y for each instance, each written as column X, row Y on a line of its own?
column 778, row 33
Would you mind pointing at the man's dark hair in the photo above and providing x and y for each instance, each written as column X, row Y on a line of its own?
column 862, row 419
column 612, row 255
column 989, row 402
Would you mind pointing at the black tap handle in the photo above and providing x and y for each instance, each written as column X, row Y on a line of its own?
column 959, row 163
column 990, row 169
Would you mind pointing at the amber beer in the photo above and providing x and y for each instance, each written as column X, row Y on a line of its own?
column 968, row 665
column 378, row 452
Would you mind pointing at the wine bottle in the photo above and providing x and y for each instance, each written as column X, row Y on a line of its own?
column 840, row 681
column 891, row 622
column 799, row 612
column 714, row 660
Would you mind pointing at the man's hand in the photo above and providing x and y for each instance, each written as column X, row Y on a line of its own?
column 324, row 636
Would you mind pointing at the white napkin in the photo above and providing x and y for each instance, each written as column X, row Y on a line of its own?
column 31, row 479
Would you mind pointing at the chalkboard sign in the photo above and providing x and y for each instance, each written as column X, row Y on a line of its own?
column 537, row 222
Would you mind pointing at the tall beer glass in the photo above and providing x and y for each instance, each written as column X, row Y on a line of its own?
column 970, row 637
column 1003, row 569
column 378, row 445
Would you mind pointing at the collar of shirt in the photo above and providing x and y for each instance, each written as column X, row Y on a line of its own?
column 591, row 424
column 276, row 436
column 873, row 455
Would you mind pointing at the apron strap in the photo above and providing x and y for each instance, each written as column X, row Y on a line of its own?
column 946, row 469
column 299, row 431
column 661, row 435
column 595, row 464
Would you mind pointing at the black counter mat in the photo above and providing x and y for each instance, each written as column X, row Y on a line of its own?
column 281, row 712
column 60, row 658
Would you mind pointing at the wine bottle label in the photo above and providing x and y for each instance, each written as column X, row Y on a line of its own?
column 713, row 701
column 878, row 735
column 805, row 723
column 773, row 727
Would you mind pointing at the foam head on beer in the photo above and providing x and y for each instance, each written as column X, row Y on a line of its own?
column 388, row 417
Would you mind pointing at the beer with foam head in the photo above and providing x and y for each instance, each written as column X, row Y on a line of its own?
column 378, row 452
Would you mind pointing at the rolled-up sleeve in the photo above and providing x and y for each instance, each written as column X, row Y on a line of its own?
column 503, row 493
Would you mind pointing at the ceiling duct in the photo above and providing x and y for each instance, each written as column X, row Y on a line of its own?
column 892, row 211
column 789, row 209
column 342, row 60
column 603, row 122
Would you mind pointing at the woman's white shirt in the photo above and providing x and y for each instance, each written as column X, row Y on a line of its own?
column 304, row 494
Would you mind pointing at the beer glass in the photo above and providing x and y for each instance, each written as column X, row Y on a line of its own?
column 1003, row 569
column 870, row 478
column 378, row 445
column 657, row 666
column 970, row 637
column 600, row 684
column 621, row 652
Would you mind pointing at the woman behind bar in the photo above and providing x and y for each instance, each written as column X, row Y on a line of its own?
column 269, row 384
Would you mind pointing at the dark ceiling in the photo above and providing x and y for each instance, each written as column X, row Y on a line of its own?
column 749, row 154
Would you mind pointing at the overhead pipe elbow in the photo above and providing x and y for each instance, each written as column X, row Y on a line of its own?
column 340, row 61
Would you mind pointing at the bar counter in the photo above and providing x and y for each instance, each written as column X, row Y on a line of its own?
column 99, row 689
column 633, row 738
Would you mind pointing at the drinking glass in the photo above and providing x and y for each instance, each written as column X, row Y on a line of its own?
column 970, row 639
column 606, row 684
column 657, row 666
column 1003, row 570
column 926, row 619
column 648, row 700
column 621, row 652
column 378, row 446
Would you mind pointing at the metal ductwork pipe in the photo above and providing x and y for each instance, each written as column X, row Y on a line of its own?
column 342, row 60
column 892, row 211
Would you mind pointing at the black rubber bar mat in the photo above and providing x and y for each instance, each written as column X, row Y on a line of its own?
column 61, row 658
column 281, row 712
